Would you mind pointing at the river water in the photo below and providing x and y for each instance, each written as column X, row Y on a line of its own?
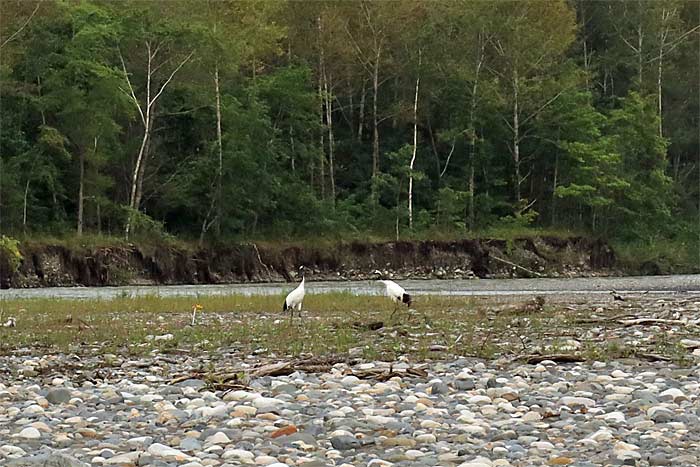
column 475, row 287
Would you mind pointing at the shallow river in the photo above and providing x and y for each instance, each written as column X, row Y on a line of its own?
column 482, row 287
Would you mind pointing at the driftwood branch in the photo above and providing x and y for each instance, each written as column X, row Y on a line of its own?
column 516, row 266
column 653, row 321
column 559, row 358
column 241, row 375
column 385, row 374
column 652, row 357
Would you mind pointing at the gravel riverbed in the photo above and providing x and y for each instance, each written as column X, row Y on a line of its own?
column 166, row 407
column 464, row 412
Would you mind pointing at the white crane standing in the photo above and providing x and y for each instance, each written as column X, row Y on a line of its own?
column 296, row 296
column 396, row 293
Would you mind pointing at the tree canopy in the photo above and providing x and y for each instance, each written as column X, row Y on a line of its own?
column 232, row 119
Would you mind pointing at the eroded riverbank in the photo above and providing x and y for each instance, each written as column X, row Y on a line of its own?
column 48, row 265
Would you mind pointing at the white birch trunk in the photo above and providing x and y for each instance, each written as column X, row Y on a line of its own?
column 146, row 111
column 640, row 59
column 361, row 124
column 81, row 188
column 472, row 133
column 322, row 100
column 516, row 135
column 329, row 125
column 24, row 208
column 554, row 188
column 220, row 147
column 415, row 147
column 375, row 116
column 80, row 193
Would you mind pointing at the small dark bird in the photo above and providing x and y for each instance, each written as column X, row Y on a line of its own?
column 617, row 296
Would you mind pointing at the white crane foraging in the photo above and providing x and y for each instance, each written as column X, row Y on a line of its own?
column 296, row 296
column 10, row 323
column 396, row 293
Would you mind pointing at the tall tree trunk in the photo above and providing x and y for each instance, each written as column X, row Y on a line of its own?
column 99, row 218
column 81, row 185
column 41, row 107
column 137, row 174
column 586, row 55
column 147, row 114
column 351, row 105
column 663, row 36
column 375, row 121
column 142, row 167
column 472, row 133
column 24, row 208
column 220, row 147
column 135, row 196
column 81, row 189
column 554, row 188
column 1, row 172
column 322, row 101
column 415, row 146
column 329, row 125
column 291, row 147
column 516, row 136
column 659, row 93
column 361, row 123
column 640, row 59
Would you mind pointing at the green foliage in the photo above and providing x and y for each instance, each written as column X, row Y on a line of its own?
column 594, row 153
column 451, row 208
column 145, row 226
column 9, row 248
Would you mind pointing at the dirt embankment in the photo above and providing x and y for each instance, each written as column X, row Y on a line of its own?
column 58, row 265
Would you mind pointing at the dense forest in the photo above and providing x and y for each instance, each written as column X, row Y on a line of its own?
column 208, row 119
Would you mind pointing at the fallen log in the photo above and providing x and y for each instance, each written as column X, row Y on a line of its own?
column 559, row 358
column 652, row 357
column 307, row 365
column 645, row 321
column 385, row 374
column 516, row 266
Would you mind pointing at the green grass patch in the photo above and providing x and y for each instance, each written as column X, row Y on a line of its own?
column 437, row 327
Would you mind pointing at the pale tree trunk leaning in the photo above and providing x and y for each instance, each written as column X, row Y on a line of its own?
column 146, row 111
column 361, row 123
column 329, row 123
column 636, row 48
column 325, row 91
column 415, row 146
column 375, row 117
column 81, row 189
column 370, row 60
column 472, row 131
column 16, row 34
column 81, row 197
column 516, row 135
column 24, row 209
column 554, row 188
column 665, row 47
column 220, row 147
column 321, row 65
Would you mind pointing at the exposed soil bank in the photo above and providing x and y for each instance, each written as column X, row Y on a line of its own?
column 57, row 265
